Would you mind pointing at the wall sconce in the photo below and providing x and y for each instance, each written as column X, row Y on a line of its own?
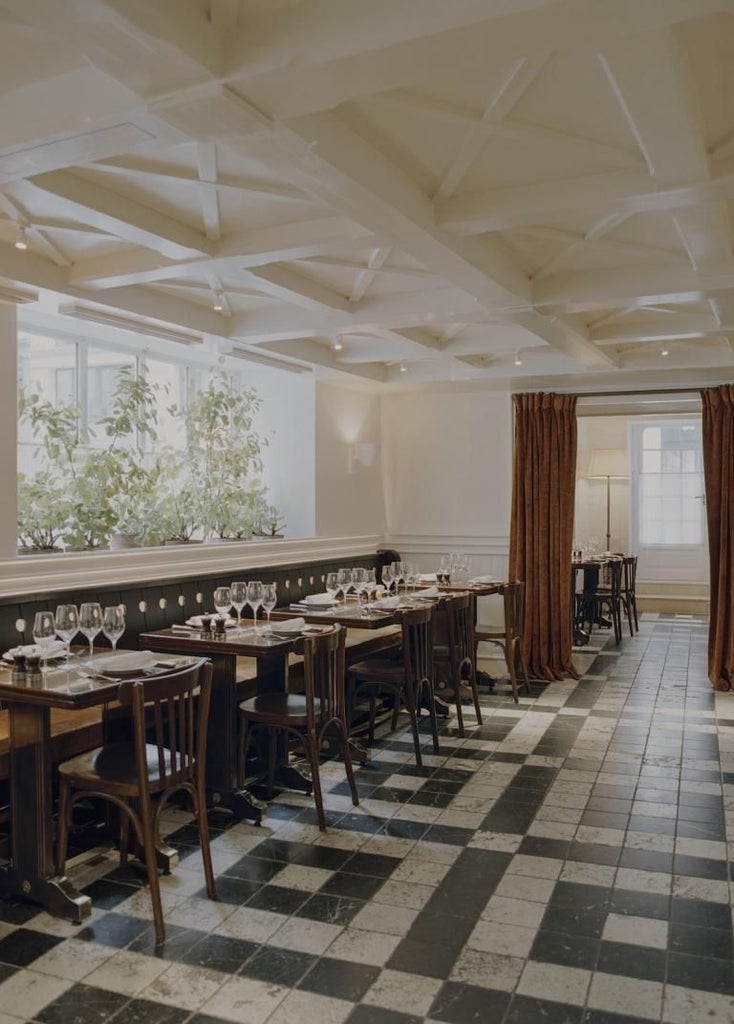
column 360, row 455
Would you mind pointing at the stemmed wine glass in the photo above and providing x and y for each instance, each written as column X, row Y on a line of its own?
column 388, row 575
column 370, row 588
column 90, row 623
column 67, row 625
column 113, row 623
column 269, row 601
column 359, row 582
column 238, row 596
column 255, row 598
column 222, row 601
column 44, row 634
column 331, row 584
column 344, row 579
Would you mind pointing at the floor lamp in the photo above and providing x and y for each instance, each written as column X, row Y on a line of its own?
column 608, row 464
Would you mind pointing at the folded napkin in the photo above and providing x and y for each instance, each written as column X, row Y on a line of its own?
column 318, row 599
column 195, row 622
column 289, row 626
column 427, row 577
column 386, row 603
column 482, row 579
column 424, row 592
column 54, row 650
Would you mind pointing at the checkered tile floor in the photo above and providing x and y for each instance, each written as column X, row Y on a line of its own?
column 567, row 862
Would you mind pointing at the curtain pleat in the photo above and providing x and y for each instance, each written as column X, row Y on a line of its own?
column 718, row 471
column 541, row 528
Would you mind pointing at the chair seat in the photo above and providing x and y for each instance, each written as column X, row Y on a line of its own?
column 378, row 670
column 113, row 767
column 488, row 634
column 269, row 706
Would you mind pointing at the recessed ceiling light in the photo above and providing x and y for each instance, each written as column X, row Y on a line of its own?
column 21, row 242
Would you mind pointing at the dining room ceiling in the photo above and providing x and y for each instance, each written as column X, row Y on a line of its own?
column 532, row 192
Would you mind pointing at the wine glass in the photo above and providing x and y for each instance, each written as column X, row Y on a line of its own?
column 370, row 588
column 269, row 601
column 222, row 601
column 344, row 579
column 67, row 625
column 331, row 584
column 255, row 598
column 44, row 634
column 113, row 623
column 90, row 623
column 388, row 575
column 359, row 582
column 238, row 596
column 400, row 574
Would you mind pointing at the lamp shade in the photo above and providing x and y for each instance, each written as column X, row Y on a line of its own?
column 608, row 462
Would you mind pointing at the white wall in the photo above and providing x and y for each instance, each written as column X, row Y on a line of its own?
column 348, row 502
column 448, row 476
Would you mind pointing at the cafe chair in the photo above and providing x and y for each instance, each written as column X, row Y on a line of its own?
column 628, row 592
column 166, row 754
column 305, row 716
column 408, row 679
column 455, row 660
column 509, row 639
column 603, row 597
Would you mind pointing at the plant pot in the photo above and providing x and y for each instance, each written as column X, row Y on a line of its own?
column 122, row 541
column 40, row 551
column 183, row 540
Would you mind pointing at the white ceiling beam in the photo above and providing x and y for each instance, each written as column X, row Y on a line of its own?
column 377, row 259
column 317, row 353
column 123, row 218
column 514, row 80
column 621, row 192
column 282, row 283
column 670, row 328
column 651, row 82
column 137, row 168
column 206, row 153
column 245, row 249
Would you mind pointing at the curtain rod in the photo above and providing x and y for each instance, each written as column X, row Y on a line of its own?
column 636, row 391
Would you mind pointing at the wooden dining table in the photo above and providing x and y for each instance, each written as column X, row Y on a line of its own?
column 30, row 872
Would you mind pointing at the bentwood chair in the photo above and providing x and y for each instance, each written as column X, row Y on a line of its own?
column 408, row 679
column 628, row 594
column 509, row 639
column 455, row 661
column 606, row 595
column 305, row 716
column 167, row 754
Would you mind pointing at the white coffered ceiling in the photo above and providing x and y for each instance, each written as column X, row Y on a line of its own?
column 458, row 186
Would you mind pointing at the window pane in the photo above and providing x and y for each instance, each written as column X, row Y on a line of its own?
column 102, row 369
column 670, row 485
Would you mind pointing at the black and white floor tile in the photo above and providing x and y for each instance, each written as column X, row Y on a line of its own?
column 566, row 862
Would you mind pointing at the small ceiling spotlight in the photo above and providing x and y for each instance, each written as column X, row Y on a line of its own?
column 21, row 242
column 518, row 359
column 664, row 351
column 403, row 368
column 337, row 345
column 218, row 304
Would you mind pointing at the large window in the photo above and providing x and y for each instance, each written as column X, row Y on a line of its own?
column 670, row 507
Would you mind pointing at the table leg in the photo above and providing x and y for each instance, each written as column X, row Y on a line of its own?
column 31, row 871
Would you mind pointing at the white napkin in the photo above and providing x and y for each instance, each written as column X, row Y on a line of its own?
column 54, row 650
column 289, row 626
column 195, row 622
column 424, row 592
column 482, row 579
column 318, row 599
column 386, row 603
column 427, row 577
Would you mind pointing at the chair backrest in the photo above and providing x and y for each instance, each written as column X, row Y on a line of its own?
column 459, row 611
column 323, row 674
column 417, row 635
column 613, row 570
column 172, row 710
column 513, row 595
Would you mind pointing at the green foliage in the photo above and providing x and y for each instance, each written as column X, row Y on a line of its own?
column 83, row 495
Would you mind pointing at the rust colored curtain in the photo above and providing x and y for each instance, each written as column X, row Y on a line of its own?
column 718, row 471
column 541, row 528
